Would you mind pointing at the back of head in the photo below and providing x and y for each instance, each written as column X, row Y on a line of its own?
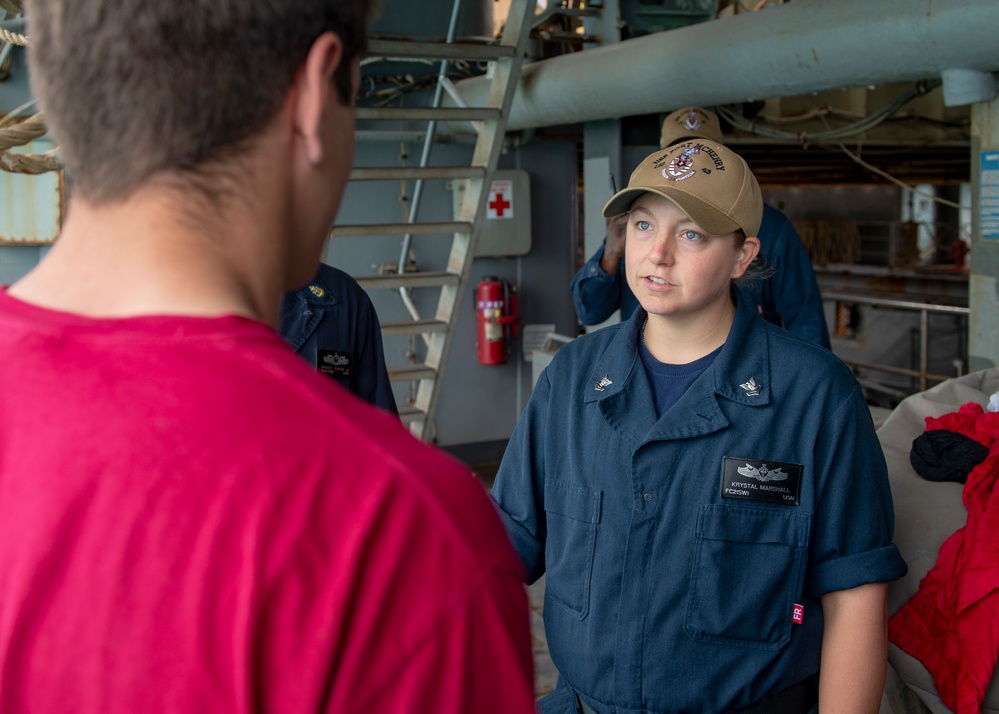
column 691, row 123
column 131, row 88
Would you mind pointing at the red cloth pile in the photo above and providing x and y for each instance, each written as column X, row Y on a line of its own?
column 951, row 624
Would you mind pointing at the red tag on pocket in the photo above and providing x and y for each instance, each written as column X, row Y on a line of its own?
column 797, row 614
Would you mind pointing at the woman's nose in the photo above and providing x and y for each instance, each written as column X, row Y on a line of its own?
column 662, row 249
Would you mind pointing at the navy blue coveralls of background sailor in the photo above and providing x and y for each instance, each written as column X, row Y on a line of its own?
column 663, row 595
column 333, row 325
column 789, row 298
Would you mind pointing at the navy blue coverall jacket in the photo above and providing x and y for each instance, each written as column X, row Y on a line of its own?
column 789, row 298
column 333, row 325
column 677, row 549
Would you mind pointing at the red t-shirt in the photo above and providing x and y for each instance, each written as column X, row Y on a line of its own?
column 191, row 520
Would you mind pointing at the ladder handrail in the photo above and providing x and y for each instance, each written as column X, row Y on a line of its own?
column 425, row 369
column 503, row 83
column 428, row 141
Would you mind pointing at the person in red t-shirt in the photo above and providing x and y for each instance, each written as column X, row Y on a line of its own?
column 192, row 519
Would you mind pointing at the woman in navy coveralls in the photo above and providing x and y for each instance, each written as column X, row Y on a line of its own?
column 703, row 490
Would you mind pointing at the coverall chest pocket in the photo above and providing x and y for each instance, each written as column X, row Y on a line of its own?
column 572, row 512
column 747, row 567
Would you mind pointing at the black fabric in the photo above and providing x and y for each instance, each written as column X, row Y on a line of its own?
column 799, row 698
column 942, row 455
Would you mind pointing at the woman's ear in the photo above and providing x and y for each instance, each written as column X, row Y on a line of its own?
column 747, row 252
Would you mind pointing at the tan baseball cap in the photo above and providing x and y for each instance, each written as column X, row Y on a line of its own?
column 691, row 123
column 711, row 184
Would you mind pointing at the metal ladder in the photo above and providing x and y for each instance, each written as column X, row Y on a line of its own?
column 505, row 58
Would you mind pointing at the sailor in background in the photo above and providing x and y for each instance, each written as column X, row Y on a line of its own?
column 333, row 325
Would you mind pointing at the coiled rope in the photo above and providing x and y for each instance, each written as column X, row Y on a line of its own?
column 30, row 163
column 28, row 130
column 19, row 135
column 14, row 38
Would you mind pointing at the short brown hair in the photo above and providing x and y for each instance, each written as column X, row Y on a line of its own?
column 130, row 88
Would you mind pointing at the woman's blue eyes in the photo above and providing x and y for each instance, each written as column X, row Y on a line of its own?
column 686, row 235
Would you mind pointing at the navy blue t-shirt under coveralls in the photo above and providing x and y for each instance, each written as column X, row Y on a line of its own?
column 662, row 593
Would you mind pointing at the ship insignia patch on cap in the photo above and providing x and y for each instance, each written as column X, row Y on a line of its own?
column 692, row 123
column 682, row 166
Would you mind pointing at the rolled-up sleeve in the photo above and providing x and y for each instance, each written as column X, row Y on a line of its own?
column 595, row 293
column 853, row 543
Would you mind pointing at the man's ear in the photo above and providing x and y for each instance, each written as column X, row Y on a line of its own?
column 749, row 250
column 315, row 87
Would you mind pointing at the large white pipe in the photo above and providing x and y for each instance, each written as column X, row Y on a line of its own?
column 788, row 50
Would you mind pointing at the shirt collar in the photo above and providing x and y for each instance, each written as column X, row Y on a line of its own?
column 317, row 290
column 740, row 373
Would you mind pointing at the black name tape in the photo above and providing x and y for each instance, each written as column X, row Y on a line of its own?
column 755, row 480
column 335, row 363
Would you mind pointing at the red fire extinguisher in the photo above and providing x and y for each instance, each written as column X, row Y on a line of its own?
column 497, row 313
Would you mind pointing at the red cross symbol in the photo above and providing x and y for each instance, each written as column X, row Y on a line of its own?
column 499, row 204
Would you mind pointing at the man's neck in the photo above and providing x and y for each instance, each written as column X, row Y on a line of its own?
column 159, row 252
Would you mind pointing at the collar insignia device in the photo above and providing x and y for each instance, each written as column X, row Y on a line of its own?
column 752, row 387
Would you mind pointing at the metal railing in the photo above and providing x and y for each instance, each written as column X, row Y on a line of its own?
column 924, row 310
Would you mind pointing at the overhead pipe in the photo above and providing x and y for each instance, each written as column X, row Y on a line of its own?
column 789, row 50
